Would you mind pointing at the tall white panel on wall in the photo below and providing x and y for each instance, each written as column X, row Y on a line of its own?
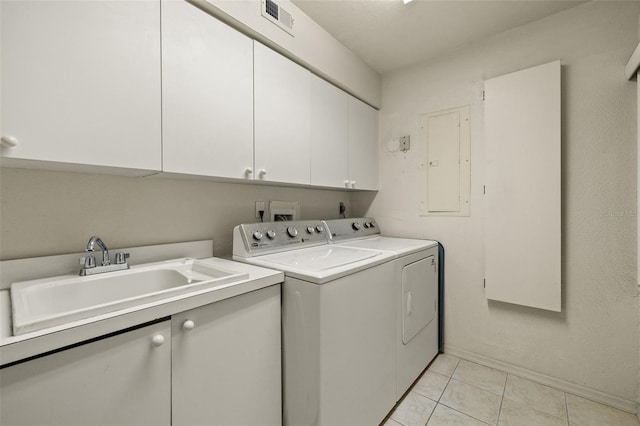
column 522, row 202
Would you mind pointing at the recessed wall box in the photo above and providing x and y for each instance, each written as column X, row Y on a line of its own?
column 284, row 210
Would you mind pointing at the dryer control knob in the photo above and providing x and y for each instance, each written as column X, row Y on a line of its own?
column 320, row 228
column 271, row 234
column 310, row 230
column 355, row 226
column 293, row 232
column 366, row 225
column 257, row 235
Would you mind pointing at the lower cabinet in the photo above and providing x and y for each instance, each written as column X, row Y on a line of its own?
column 119, row 380
column 226, row 362
column 219, row 364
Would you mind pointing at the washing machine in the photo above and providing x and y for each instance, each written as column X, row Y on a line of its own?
column 415, row 268
column 338, row 322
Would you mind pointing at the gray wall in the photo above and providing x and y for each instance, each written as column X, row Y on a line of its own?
column 44, row 212
column 593, row 342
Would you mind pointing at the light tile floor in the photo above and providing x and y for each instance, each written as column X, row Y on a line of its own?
column 457, row 392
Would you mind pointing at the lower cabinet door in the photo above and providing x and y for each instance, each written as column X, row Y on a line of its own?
column 227, row 362
column 120, row 380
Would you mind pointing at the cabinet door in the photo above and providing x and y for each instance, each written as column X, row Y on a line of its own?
column 80, row 82
column 120, row 380
column 363, row 145
column 329, row 135
column 226, row 362
column 207, row 94
column 282, row 118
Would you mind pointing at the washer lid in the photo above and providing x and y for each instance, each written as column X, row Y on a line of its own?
column 400, row 246
column 320, row 258
column 321, row 264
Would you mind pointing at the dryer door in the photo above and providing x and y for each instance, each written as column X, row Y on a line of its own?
column 419, row 296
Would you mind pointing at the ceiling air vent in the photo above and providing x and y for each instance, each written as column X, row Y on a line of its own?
column 273, row 12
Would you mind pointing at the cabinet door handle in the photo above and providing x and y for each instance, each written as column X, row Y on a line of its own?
column 262, row 172
column 157, row 340
column 188, row 325
column 347, row 182
column 248, row 171
column 353, row 183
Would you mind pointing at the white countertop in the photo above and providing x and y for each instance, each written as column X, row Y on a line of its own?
column 15, row 348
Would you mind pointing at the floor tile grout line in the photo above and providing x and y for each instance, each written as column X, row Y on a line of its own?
column 473, row 384
column 468, row 384
column 463, row 413
column 566, row 407
column 504, row 387
column 431, row 414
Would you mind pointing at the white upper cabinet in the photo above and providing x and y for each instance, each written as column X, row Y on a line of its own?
column 282, row 118
column 80, row 82
column 363, row 145
column 207, row 94
column 329, row 135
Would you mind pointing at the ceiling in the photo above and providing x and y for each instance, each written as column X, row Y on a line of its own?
column 389, row 35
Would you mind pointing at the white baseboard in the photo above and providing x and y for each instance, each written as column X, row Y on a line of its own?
column 583, row 391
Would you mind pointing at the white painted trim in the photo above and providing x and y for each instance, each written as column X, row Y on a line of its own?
column 563, row 385
column 633, row 64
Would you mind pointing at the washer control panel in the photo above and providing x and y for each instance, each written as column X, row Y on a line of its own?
column 344, row 229
column 274, row 236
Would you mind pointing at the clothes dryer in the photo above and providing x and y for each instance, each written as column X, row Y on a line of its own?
column 338, row 322
column 415, row 267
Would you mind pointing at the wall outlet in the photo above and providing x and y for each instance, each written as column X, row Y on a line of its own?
column 405, row 143
column 259, row 208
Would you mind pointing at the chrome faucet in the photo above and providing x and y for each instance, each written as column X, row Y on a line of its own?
column 89, row 262
column 105, row 251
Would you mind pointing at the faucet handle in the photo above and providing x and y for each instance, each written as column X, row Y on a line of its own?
column 121, row 258
column 88, row 262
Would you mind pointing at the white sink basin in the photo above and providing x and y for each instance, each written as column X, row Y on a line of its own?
column 44, row 303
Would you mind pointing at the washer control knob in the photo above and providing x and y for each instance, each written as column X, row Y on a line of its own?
column 271, row 234
column 355, row 226
column 293, row 232
column 372, row 225
column 320, row 229
column 257, row 235
column 366, row 225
